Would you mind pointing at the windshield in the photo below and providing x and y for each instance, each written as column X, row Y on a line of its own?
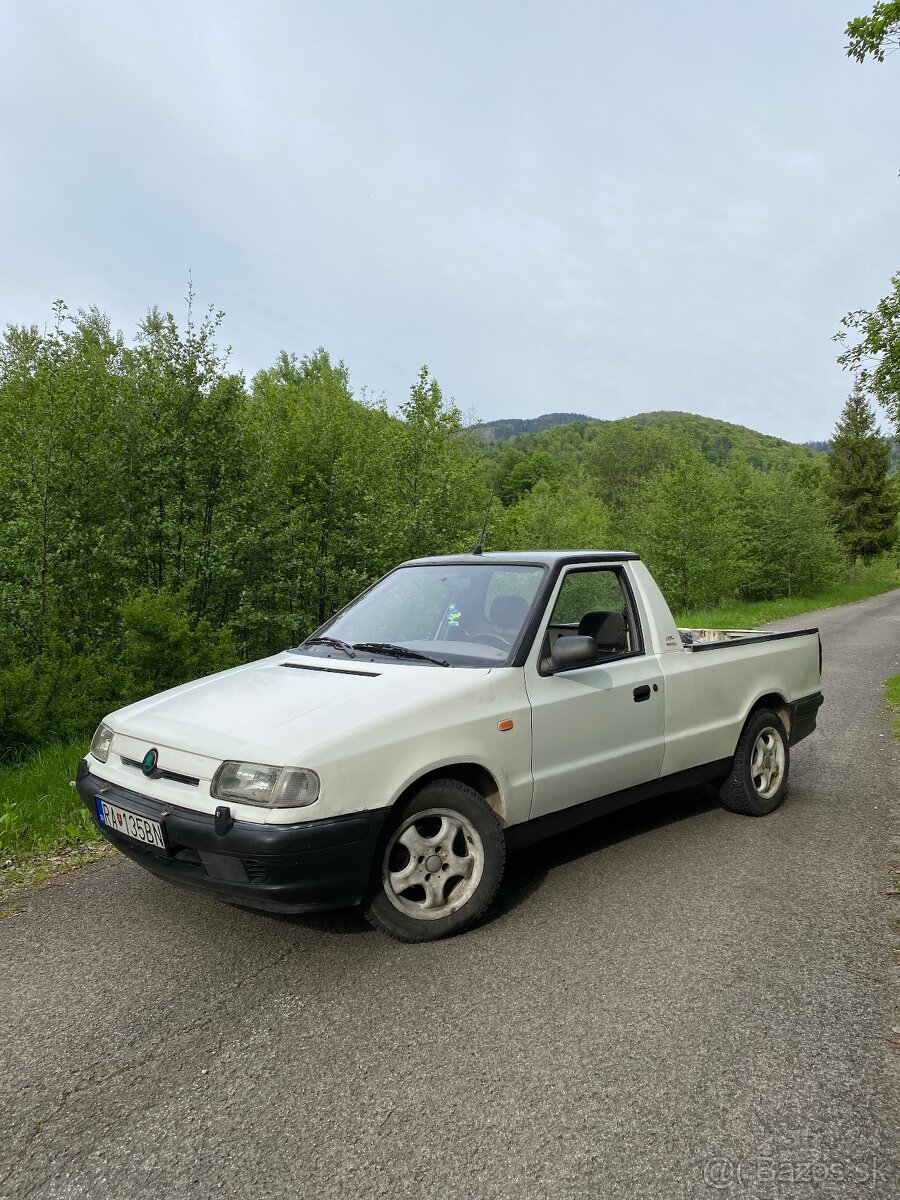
column 464, row 615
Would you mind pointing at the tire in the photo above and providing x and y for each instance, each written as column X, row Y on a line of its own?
column 446, row 826
column 757, row 783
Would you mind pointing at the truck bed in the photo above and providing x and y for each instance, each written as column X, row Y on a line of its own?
column 714, row 639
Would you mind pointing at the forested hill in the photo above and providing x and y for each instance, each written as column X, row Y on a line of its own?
column 502, row 431
column 714, row 439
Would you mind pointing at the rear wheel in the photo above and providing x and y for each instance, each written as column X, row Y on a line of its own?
column 757, row 783
column 440, row 864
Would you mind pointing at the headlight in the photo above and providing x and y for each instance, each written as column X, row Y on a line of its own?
column 270, row 787
column 101, row 742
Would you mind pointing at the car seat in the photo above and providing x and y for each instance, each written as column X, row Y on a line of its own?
column 508, row 613
column 608, row 629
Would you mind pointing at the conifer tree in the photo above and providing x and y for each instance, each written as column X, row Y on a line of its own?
column 862, row 500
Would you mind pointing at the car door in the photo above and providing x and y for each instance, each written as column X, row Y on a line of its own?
column 595, row 729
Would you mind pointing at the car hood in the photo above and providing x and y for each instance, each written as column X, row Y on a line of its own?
column 285, row 705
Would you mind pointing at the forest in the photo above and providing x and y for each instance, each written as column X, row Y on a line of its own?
column 161, row 517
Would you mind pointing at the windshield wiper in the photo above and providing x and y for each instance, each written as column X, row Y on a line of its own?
column 335, row 642
column 395, row 651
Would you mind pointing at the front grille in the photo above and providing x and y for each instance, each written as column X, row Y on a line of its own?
column 160, row 773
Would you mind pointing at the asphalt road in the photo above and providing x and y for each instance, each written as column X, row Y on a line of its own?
column 672, row 1002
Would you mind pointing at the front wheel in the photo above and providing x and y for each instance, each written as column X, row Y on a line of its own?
column 757, row 783
column 440, row 865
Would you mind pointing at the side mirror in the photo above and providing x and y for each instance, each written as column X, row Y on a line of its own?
column 575, row 651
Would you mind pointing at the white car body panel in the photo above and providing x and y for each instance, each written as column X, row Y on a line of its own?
column 589, row 737
column 708, row 694
column 367, row 737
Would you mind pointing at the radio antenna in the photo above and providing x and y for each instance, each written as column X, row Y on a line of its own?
column 478, row 548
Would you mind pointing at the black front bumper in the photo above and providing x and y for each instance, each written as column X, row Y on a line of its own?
column 279, row 868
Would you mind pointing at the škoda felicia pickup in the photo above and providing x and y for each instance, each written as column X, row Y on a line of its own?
column 458, row 704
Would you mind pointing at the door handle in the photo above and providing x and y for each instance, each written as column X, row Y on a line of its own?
column 642, row 693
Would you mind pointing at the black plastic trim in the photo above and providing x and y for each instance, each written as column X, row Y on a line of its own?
column 329, row 670
column 568, row 818
column 804, row 714
column 161, row 773
column 566, row 560
column 700, row 647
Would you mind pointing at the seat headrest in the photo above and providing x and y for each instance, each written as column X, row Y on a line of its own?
column 606, row 628
column 508, row 612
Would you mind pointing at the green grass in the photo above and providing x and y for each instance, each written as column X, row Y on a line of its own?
column 892, row 695
column 760, row 612
column 40, row 811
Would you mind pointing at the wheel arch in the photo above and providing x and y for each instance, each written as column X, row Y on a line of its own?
column 473, row 775
column 777, row 704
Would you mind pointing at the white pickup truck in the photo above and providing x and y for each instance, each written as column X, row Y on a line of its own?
column 457, row 704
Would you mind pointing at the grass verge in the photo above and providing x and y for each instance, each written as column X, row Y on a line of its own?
column 44, row 828
column 892, row 695
column 760, row 612
column 39, row 807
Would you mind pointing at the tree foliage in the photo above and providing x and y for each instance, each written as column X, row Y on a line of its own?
column 862, row 500
column 160, row 520
column 781, row 540
column 517, row 471
column 874, row 358
column 622, row 455
column 876, row 34
column 679, row 521
column 565, row 515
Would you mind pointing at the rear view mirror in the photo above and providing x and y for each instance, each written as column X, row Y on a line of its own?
column 576, row 651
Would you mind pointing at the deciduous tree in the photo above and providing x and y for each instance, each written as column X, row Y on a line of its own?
column 875, row 357
column 555, row 516
column 679, row 520
column 876, row 34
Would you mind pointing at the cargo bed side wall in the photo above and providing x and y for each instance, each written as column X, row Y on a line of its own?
column 708, row 695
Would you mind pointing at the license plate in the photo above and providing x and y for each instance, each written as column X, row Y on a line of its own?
column 140, row 829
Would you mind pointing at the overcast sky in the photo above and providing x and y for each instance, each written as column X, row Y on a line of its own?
column 593, row 207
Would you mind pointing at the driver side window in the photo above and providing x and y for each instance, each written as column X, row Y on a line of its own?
column 594, row 604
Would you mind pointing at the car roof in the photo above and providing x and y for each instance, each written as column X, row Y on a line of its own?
column 541, row 558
